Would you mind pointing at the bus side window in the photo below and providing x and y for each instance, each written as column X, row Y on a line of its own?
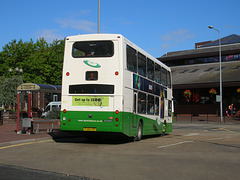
column 169, row 108
column 157, row 106
column 131, row 59
column 157, row 73
column 141, row 103
column 150, row 105
column 169, row 83
column 141, row 64
column 150, row 69
column 164, row 76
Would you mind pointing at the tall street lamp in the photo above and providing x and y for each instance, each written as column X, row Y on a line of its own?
column 220, row 71
column 98, row 16
column 18, row 70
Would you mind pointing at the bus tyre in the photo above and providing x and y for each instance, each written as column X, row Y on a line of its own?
column 139, row 132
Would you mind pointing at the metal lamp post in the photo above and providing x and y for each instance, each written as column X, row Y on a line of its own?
column 20, row 70
column 220, row 71
column 98, row 16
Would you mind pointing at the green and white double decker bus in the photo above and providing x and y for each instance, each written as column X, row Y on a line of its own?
column 111, row 85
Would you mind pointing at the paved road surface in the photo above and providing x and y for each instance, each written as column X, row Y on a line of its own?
column 192, row 151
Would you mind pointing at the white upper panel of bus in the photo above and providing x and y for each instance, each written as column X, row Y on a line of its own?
column 113, row 37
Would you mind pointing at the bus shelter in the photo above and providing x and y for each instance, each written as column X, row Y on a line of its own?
column 35, row 96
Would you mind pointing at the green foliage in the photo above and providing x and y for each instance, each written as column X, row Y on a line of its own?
column 9, row 90
column 41, row 61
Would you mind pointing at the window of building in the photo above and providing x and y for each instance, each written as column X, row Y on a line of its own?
column 213, row 59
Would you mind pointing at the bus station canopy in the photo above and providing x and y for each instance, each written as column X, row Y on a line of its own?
column 39, row 87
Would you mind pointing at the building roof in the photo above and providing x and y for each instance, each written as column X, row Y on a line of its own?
column 201, row 52
column 231, row 39
column 205, row 75
column 229, row 45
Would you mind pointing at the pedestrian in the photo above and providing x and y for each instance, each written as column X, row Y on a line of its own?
column 227, row 112
column 230, row 107
column 30, row 129
column 32, row 125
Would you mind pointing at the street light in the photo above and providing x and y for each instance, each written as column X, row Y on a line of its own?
column 98, row 16
column 17, row 70
column 220, row 71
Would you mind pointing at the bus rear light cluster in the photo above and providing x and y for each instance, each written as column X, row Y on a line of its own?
column 64, row 118
column 69, row 120
column 64, row 111
column 116, row 73
column 117, row 111
column 116, row 119
column 67, row 73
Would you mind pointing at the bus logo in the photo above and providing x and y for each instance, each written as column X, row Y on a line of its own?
column 92, row 64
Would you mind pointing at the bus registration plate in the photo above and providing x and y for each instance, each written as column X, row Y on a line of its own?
column 89, row 129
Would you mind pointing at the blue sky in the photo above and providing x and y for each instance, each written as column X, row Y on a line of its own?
column 157, row 26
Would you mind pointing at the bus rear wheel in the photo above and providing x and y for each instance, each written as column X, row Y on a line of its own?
column 139, row 132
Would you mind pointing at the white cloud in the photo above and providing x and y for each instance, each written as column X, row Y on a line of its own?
column 49, row 34
column 83, row 25
column 175, row 37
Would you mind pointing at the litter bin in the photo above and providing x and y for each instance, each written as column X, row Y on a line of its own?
column 26, row 123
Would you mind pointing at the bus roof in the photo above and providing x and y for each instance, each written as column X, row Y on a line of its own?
column 89, row 37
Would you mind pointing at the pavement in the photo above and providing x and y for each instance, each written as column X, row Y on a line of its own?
column 8, row 133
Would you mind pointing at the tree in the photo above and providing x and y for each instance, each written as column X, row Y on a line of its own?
column 41, row 61
column 8, row 94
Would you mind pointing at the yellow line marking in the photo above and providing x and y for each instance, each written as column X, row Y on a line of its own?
column 223, row 130
column 22, row 144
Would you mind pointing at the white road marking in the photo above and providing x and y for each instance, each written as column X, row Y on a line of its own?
column 169, row 145
column 192, row 134
column 214, row 139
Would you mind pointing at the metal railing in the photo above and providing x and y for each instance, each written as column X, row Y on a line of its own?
column 206, row 118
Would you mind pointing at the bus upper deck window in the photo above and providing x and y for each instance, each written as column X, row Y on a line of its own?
column 93, row 49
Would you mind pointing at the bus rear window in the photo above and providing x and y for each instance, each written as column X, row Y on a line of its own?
column 93, row 49
column 91, row 89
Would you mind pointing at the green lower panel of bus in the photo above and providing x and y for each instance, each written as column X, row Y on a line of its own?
column 122, row 122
